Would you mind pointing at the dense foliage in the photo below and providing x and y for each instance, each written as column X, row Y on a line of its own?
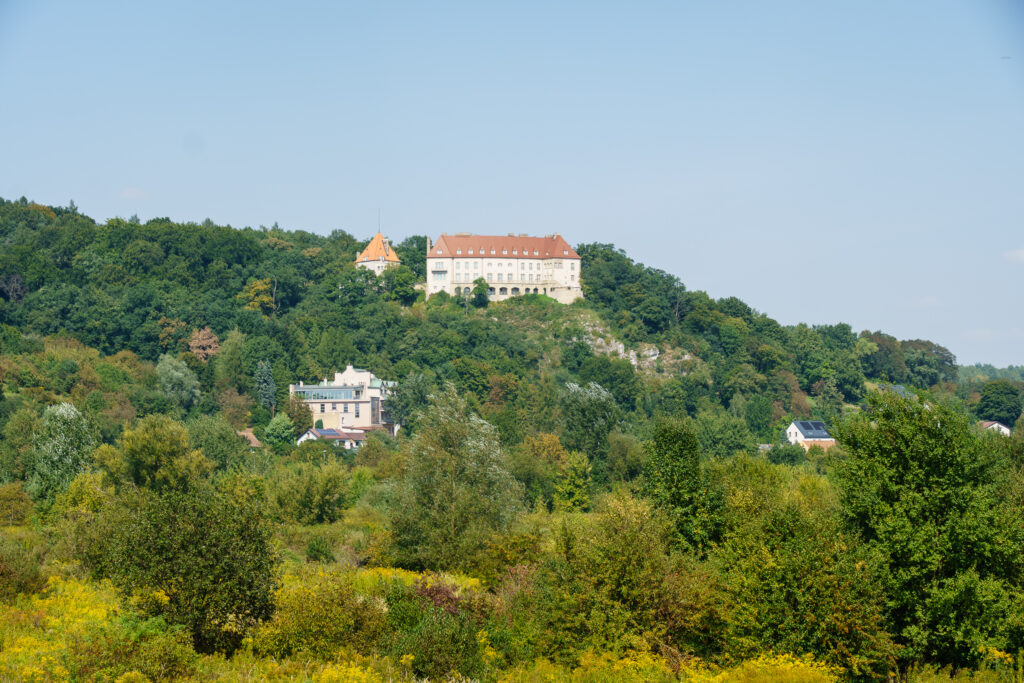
column 577, row 492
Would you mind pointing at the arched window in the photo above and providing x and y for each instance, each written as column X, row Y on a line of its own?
column 515, row 290
column 503, row 291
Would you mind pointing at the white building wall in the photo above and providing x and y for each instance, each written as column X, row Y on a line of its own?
column 558, row 278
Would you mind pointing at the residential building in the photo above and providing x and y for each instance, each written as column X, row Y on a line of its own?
column 345, row 439
column 378, row 255
column 511, row 265
column 993, row 426
column 809, row 433
column 354, row 399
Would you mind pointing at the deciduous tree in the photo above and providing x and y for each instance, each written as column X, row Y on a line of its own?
column 457, row 490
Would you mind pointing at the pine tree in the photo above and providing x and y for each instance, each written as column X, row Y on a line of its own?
column 263, row 381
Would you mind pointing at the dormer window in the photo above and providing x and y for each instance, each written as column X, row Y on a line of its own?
column 458, row 251
column 470, row 252
column 492, row 252
column 534, row 252
column 515, row 251
column 565, row 252
column 438, row 251
column 504, row 251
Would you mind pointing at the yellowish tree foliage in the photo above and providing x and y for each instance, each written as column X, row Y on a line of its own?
column 258, row 295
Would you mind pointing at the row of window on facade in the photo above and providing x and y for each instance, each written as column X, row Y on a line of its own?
column 334, row 408
column 523, row 265
column 515, row 252
column 502, row 291
column 466, row 277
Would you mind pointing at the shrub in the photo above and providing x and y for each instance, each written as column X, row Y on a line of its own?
column 319, row 613
column 15, row 505
column 199, row 559
column 441, row 638
column 319, row 550
column 309, row 494
column 74, row 631
column 19, row 567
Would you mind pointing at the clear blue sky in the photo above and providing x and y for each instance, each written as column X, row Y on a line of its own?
column 823, row 161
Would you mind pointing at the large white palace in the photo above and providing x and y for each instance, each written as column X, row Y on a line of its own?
column 511, row 265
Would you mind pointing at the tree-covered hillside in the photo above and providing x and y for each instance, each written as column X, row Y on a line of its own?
column 592, row 492
column 301, row 305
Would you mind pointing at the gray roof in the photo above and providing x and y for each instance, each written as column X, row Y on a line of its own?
column 812, row 429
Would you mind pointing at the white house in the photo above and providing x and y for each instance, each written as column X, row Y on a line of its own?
column 354, row 399
column 809, row 433
column 378, row 255
column 511, row 265
column 993, row 426
column 347, row 440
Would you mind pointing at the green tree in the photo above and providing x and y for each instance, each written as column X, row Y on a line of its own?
column 479, row 297
column 407, row 399
column 797, row 583
column 60, row 451
column 156, row 454
column 675, row 481
column 758, row 415
column 280, row 433
column 299, row 413
column 264, row 386
column 217, row 439
column 1000, row 401
column 177, row 382
column 589, row 414
column 920, row 490
column 400, row 285
column 614, row 374
column 199, row 558
column 457, row 491
column 572, row 486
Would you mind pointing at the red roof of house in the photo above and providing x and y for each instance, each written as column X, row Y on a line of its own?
column 509, row 246
column 250, row 437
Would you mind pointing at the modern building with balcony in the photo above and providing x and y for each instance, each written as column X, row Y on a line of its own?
column 354, row 400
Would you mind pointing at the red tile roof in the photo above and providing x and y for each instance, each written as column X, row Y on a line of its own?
column 250, row 437
column 509, row 246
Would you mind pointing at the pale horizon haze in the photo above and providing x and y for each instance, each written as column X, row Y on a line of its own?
column 858, row 162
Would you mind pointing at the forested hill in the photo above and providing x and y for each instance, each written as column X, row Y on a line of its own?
column 294, row 299
column 576, row 492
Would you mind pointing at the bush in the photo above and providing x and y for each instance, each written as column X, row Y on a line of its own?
column 199, row 559
column 309, row 494
column 319, row 613
column 15, row 505
column 429, row 623
column 319, row 550
column 20, row 561
column 78, row 631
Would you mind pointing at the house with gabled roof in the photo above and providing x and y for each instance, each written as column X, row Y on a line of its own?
column 993, row 426
column 378, row 255
column 809, row 433
column 511, row 266
column 345, row 439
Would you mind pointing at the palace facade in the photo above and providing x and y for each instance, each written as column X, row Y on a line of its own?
column 510, row 265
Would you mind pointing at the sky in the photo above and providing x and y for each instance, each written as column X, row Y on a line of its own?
column 858, row 162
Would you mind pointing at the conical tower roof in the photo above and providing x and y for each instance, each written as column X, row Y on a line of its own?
column 378, row 250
